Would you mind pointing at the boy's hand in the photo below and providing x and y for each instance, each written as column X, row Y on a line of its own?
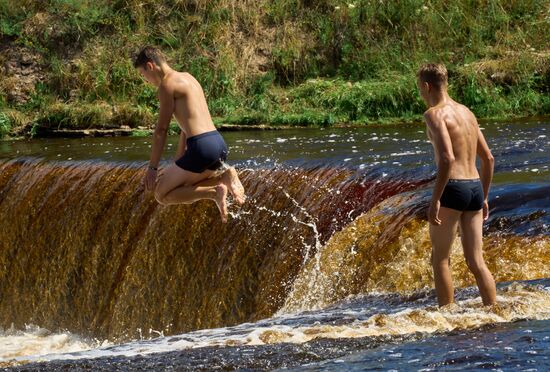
column 150, row 179
column 485, row 210
column 433, row 213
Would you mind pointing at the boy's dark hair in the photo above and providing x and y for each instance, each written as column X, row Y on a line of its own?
column 433, row 73
column 149, row 54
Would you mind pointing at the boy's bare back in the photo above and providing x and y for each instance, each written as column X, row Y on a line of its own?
column 463, row 131
column 189, row 103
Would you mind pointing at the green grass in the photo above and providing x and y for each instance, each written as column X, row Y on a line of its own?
column 5, row 125
column 291, row 62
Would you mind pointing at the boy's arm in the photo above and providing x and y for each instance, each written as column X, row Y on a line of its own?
column 487, row 166
column 445, row 156
column 182, row 145
column 166, row 99
column 166, row 111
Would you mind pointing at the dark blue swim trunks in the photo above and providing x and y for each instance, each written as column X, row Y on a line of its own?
column 204, row 151
column 463, row 195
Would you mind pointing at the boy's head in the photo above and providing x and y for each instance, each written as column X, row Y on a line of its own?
column 432, row 77
column 148, row 61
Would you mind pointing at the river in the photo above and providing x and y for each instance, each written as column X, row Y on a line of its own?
column 326, row 267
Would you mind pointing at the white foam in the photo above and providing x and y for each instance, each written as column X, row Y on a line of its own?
column 35, row 342
column 515, row 302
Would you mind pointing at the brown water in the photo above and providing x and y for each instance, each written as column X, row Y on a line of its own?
column 90, row 249
column 84, row 249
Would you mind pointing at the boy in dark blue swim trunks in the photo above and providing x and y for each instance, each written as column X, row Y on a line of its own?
column 460, row 194
column 201, row 149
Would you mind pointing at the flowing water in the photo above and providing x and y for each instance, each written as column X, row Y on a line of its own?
column 325, row 267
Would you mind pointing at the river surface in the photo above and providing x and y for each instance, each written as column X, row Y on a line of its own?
column 326, row 267
column 396, row 148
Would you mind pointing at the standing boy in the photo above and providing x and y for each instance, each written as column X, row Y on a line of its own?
column 460, row 194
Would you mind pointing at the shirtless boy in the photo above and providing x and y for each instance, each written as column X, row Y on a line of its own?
column 460, row 194
column 201, row 150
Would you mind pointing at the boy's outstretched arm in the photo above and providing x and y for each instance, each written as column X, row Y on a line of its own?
column 444, row 152
column 166, row 111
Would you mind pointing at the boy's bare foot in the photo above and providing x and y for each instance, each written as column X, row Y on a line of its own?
column 221, row 195
column 231, row 179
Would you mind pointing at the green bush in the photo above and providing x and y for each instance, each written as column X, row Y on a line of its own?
column 5, row 125
column 363, row 99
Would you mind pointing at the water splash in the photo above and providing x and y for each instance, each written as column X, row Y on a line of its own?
column 36, row 341
column 112, row 261
column 388, row 249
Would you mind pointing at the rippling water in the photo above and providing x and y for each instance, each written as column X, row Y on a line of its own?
column 521, row 149
column 366, row 332
column 354, row 294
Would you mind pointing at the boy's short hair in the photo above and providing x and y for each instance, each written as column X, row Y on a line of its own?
column 149, row 54
column 434, row 74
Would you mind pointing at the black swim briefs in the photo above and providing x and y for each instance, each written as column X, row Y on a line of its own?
column 463, row 195
column 204, row 151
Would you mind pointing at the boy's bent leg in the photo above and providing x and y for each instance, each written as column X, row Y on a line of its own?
column 442, row 238
column 173, row 177
column 471, row 225
column 178, row 186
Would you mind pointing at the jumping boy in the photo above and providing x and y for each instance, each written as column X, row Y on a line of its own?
column 201, row 149
column 459, row 196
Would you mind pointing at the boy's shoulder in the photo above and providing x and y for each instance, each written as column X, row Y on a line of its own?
column 432, row 113
column 168, row 83
column 176, row 80
column 440, row 110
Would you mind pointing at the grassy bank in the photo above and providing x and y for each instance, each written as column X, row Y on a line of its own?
column 67, row 63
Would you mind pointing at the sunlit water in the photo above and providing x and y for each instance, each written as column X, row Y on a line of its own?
column 372, row 330
column 521, row 149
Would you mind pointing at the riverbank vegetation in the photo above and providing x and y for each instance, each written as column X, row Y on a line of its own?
column 66, row 64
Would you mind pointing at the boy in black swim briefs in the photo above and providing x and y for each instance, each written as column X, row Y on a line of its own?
column 460, row 193
column 201, row 149
column 463, row 195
